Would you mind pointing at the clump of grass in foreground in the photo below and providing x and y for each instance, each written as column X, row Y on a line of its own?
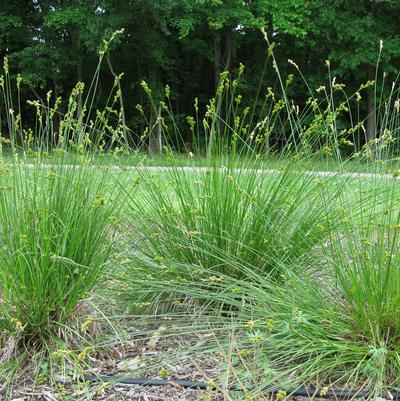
column 234, row 216
column 335, row 325
column 55, row 240
column 55, row 220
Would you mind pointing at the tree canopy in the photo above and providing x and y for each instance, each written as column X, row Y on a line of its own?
column 187, row 44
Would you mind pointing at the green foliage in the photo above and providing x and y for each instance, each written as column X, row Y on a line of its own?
column 223, row 217
column 56, row 222
column 299, row 268
column 331, row 319
column 55, row 243
column 357, row 33
column 188, row 44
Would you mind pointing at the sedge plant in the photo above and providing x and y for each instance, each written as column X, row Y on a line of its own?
column 244, row 214
column 329, row 324
column 56, row 236
column 57, row 221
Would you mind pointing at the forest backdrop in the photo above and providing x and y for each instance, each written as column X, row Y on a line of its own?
column 187, row 44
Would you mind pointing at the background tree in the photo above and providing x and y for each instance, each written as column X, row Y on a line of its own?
column 353, row 34
column 186, row 44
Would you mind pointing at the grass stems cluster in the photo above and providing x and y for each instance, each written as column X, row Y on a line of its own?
column 292, row 271
column 56, row 237
column 222, row 217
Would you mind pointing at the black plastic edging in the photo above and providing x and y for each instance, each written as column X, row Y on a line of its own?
column 147, row 382
column 199, row 385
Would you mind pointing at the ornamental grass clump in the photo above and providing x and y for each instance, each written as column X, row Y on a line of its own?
column 332, row 322
column 221, row 218
column 55, row 234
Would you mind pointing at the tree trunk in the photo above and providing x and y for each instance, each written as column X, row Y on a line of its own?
column 121, row 100
column 371, row 118
column 159, row 132
column 222, row 61
column 229, row 47
column 217, row 59
column 155, row 133
column 76, row 42
column 56, row 118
